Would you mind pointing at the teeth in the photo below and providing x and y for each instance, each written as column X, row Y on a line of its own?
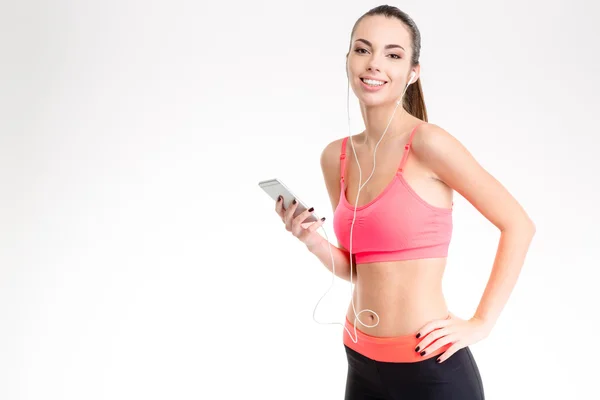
column 371, row 82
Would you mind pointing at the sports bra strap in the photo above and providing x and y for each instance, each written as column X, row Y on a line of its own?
column 407, row 147
column 343, row 159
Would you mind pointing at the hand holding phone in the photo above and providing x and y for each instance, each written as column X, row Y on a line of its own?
column 290, row 213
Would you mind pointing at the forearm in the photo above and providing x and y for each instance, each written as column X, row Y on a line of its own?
column 341, row 259
column 510, row 257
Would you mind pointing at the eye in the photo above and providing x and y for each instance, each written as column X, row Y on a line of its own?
column 359, row 50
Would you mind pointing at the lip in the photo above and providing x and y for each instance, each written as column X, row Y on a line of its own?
column 371, row 88
column 372, row 77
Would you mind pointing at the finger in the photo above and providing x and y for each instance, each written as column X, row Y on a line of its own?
column 279, row 206
column 310, row 228
column 297, row 228
column 448, row 353
column 299, row 219
column 316, row 225
column 441, row 342
column 430, row 338
column 436, row 324
column 289, row 213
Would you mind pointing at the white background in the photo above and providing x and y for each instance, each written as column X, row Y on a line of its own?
column 140, row 259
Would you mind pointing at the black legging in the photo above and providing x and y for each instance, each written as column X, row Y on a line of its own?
column 456, row 378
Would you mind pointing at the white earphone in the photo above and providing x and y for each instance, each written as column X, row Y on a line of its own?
column 410, row 80
column 412, row 75
column 360, row 186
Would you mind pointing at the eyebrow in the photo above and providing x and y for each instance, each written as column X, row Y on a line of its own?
column 387, row 46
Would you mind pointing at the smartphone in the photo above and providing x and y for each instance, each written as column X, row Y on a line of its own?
column 275, row 188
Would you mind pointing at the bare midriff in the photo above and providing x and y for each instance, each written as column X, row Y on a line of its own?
column 406, row 295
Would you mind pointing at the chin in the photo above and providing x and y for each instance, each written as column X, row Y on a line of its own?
column 375, row 101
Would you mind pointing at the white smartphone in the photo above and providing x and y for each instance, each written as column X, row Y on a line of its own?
column 275, row 188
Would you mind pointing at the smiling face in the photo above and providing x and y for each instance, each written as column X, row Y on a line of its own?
column 380, row 51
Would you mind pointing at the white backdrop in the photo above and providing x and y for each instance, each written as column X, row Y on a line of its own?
column 140, row 259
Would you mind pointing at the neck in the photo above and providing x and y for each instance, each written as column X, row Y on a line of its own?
column 376, row 120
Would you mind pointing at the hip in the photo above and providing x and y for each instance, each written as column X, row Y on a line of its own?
column 458, row 377
column 401, row 348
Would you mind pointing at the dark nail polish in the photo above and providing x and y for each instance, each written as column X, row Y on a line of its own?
column 438, row 361
column 311, row 209
column 294, row 202
column 423, row 353
column 418, row 335
column 279, row 198
column 323, row 219
column 417, row 349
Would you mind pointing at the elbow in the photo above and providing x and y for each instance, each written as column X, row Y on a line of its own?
column 523, row 226
column 529, row 226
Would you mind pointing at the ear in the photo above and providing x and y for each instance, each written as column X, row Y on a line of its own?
column 417, row 70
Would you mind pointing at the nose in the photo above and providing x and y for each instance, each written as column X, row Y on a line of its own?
column 373, row 64
column 373, row 68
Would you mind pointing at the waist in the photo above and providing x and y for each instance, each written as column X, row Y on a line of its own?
column 405, row 295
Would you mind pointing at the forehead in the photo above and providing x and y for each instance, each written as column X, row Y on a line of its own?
column 381, row 30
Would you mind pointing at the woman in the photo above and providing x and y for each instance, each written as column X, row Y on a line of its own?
column 405, row 343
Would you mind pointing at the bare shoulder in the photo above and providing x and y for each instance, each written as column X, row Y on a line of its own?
column 431, row 141
column 330, row 156
column 450, row 162
column 428, row 136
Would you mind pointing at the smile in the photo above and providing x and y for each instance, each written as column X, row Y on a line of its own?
column 372, row 85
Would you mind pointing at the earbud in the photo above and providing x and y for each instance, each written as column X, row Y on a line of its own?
column 410, row 80
column 412, row 76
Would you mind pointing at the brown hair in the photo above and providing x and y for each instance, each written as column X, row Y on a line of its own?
column 413, row 100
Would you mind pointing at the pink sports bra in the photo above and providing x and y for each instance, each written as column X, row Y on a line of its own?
column 398, row 224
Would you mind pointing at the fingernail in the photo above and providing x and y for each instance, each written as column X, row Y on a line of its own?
column 294, row 202
column 323, row 219
column 279, row 198
column 418, row 347
column 423, row 353
column 438, row 360
column 311, row 209
column 418, row 335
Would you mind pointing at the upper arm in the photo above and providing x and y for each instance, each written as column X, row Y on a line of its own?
column 330, row 166
column 456, row 167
